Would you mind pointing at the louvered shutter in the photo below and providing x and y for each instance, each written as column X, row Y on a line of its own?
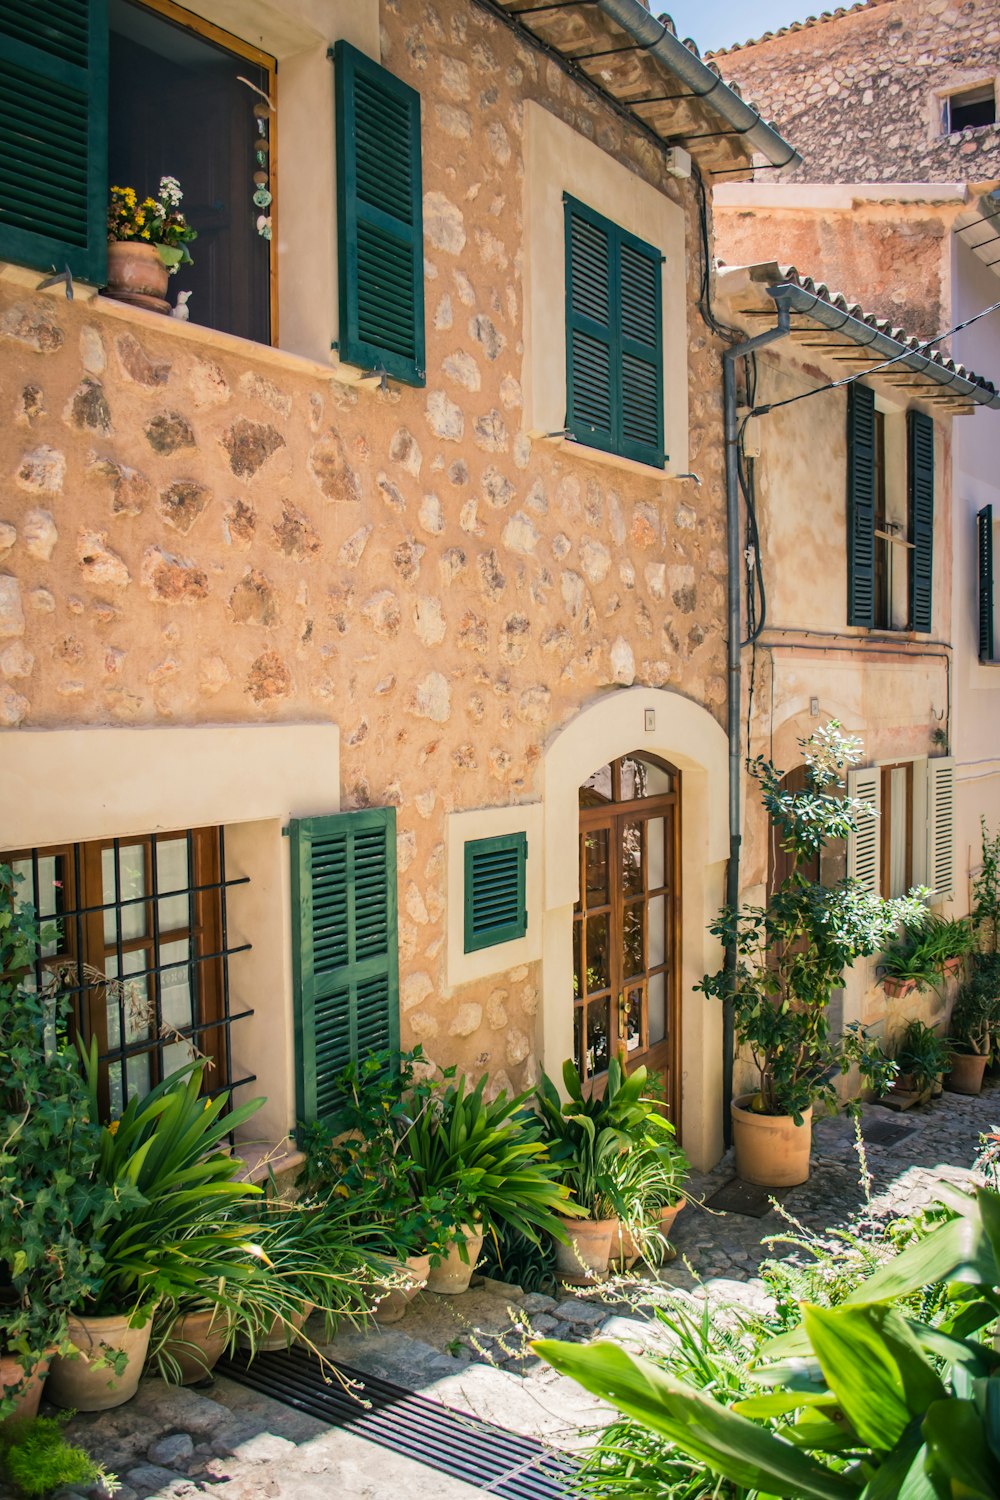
column 864, row 844
column 344, row 948
column 54, row 116
column 495, row 904
column 380, row 233
column 941, row 826
column 920, row 479
column 860, row 506
column 614, row 337
column 984, row 548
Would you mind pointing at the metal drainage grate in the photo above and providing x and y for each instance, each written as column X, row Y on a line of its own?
column 490, row 1458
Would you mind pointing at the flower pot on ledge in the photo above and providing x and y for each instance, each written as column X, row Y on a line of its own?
column 898, row 989
column 136, row 274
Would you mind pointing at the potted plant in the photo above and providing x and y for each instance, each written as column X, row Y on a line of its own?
column 786, row 959
column 587, row 1134
column 49, row 1147
column 973, row 1020
column 147, row 240
column 647, row 1181
column 908, row 960
column 922, row 1057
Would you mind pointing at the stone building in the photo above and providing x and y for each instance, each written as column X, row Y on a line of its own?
column 897, row 200
column 347, row 621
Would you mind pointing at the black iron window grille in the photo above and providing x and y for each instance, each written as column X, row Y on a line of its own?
column 138, row 936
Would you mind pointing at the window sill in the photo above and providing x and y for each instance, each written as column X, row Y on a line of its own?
column 189, row 332
column 610, row 460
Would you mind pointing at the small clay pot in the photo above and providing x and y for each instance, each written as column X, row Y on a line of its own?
column 26, row 1400
column 84, row 1385
column 197, row 1342
column 588, row 1252
column 393, row 1305
column 136, row 274
column 279, row 1335
column 451, row 1276
column 898, row 989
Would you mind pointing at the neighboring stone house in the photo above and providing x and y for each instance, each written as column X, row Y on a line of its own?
column 897, row 199
column 848, row 492
column 391, row 585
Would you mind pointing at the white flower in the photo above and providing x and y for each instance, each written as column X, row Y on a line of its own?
column 170, row 192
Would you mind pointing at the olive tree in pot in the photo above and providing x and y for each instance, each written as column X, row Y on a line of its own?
column 789, row 958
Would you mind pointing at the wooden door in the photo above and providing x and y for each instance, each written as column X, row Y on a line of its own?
column 626, row 923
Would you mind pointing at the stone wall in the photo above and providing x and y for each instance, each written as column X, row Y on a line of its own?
column 858, row 92
column 197, row 532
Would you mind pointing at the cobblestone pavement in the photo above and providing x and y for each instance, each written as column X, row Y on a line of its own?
column 471, row 1353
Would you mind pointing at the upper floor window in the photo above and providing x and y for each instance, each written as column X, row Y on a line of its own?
column 969, row 107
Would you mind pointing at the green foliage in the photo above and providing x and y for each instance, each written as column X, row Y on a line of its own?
column 793, row 953
column 37, row 1459
column 975, row 1016
column 50, row 1142
column 986, row 891
column 923, row 1054
column 588, row 1133
column 508, row 1255
column 921, row 950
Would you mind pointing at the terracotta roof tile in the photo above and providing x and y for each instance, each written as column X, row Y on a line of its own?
column 805, row 25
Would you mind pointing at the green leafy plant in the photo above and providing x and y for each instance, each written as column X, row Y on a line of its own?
column 922, row 1054
column 975, row 1015
column 986, row 891
column 50, row 1142
column 37, row 1459
column 511, row 1257
column 923, row 949
column 793, row 953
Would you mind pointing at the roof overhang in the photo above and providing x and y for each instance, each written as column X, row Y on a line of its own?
column 639, row 64
column 825, row 326
column 979, row 228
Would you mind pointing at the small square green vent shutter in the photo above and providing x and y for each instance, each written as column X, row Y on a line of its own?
column 54, row 113
column 920, row 476
column 614, row 337
column 344, row 949
column 495, row 901
column 380, row 236
column 984, row 548
column 860, row 506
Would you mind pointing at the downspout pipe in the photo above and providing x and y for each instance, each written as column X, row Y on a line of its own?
column 656, row 39
column 734, row 676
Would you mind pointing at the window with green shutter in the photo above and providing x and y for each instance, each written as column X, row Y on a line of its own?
column 984, row 549
column 861, row 499
column 379, row 218
column 495, row 903
column 920, row 479
column 53, row 107
column 614, row 337
column 344, row 949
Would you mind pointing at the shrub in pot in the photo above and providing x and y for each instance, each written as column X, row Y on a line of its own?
column 973, row 1019
column 785, row 960
column 926, row 950
column 922, row 1057
column 647, row 1183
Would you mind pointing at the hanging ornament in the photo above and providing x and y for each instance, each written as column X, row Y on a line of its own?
column 262, row 197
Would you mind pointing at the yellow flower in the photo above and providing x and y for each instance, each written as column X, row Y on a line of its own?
column 113, row 1127
column 140, row 217
column 144, row 235
column 129, row 196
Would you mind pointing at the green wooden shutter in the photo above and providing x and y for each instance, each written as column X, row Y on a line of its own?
column 984, row 529
column 864, row 844
column 495, row 902
column 380, row 232
column 54, row 119
column 614, row 337
column 860, row 506
column 344, row 949
column 920, row 477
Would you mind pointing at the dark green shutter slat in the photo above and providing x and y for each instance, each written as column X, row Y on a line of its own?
column 379, row 218
column 860, row 506
column 920, row 475
column 344, row 949
column 495, row 890
column 54, row 125
column 614, row 337
column 984, row 529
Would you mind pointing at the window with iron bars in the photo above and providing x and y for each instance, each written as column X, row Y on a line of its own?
column 140, row 941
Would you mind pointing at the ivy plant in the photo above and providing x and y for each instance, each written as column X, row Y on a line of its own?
column 793, row 953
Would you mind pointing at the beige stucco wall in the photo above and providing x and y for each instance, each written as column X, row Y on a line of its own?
column 197, row 532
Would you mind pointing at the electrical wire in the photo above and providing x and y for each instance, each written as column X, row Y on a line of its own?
column 833, row 385
column 722, row 330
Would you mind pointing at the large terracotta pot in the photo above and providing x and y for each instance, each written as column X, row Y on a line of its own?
column 135, row 271
column 452, row 1275
column 668, row 1215
column 395, row 1302
column 771, row 1150
column 966, row 1076
column 197, row 1342
column 589, row 1249
column 625, row 1248
column 81, row 1384
column 279, row 1335
column 27, row 1398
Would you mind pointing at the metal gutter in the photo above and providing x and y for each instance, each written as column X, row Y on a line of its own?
column 659, row 42
column 882, row 345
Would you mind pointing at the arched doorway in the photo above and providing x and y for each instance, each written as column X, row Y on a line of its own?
column 626, row 922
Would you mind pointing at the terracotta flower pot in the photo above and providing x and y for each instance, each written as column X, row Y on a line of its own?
column 196, row 1343
column 452, row 1275
column 279, row 1335
column 588, row 1251
column 966, row 1075
column 952, row 966
column 898, row 989
column 84, row 1385
column 668, row 1215
column 625, row 1248
column 771, row 1150
column 395, row 1302
column 137, row 274
column 27, row 1398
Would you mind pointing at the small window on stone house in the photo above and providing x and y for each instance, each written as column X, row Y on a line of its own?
column 969, row 108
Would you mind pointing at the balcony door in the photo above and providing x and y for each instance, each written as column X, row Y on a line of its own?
column 626, row 922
